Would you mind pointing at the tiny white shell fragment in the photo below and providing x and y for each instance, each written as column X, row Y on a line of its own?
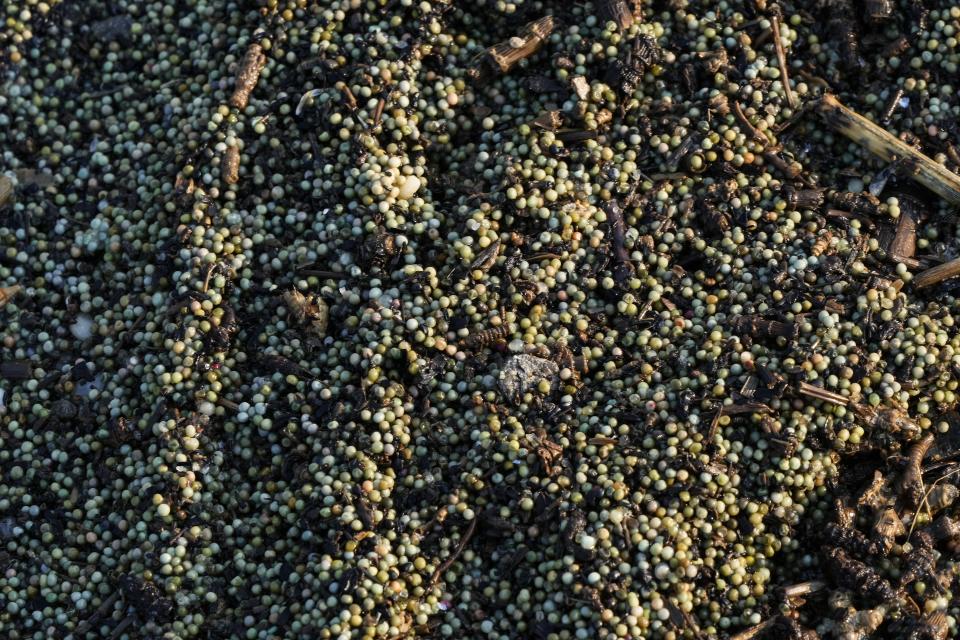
column 82, row 328
column 313, row 93
column 410, row 186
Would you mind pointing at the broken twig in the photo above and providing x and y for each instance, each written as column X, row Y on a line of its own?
column 888, row 147
column 503, row 56
column 453, row 556
column 937, row 274
column 755, row 133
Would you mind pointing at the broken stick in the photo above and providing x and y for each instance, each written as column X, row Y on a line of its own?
column 782, row 61
column 755, row 133
column 937, row 274
column 503, row 56
column 807, row 389
column 888, row 147
column 247, row 76
column 456, row 553
column 230, row 165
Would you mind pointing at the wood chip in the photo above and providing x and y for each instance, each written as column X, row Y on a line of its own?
column 581, row 86
column 549, row 120
column 937, row 274
column 505, row 55
column 247, row 76
column 903, row 245
column 230, row 167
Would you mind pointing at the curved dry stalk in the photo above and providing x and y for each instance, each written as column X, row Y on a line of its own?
column 888, row 147
column 782, row 61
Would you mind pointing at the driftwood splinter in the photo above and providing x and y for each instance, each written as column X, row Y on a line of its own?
column 247, row 75
column 230, row 166
column 888, row 147
column 937, row 274
column 503, row 56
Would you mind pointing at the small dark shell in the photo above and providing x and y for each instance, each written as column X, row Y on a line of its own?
column 803, row 198
column 759, row 327
column 852, row 574
column 542, row 84
column 852, row 540
column 549, row 120
column 861, row 203
column 896, row 47
column 935, row 626
column 487, row 336
column 575, row 524
column 64, row 409
column 944, row 528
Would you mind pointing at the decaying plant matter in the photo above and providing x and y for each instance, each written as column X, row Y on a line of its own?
column 366, row 319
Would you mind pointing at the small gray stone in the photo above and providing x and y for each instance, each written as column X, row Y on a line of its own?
column 522, row 373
